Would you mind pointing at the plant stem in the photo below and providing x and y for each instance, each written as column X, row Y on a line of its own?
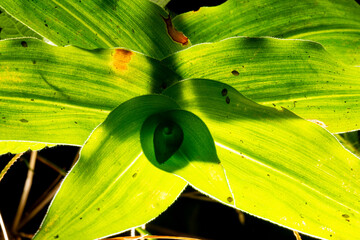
column 3, row 228
column 25, row 194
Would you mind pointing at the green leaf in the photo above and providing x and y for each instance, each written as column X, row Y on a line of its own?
column 59, row 95
column 113, row 187
column 19, row 146
column 11, row 28
column 161, row 3
column 334, row 24
column 136, row 24
column 299, row 75
column 280, row 167
column 188, row 151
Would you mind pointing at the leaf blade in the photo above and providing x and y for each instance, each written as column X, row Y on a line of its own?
column 109, row 190
column 299, row 75
column 59, row 95
column 334, row 24
column 98, row 24
column 310, row 182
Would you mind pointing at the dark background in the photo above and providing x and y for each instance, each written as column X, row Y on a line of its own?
column 186, row 217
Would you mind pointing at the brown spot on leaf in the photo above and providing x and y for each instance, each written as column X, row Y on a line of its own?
column 175, row 35
column 345, row 216
column 230, row 199
column 224, row 92
column 24, row 120
column 121, row 58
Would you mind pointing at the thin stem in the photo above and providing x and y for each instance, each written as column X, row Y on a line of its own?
column 10, row 163
column 51, row 165
column 25, row 194
column 297, row 235
column 3, row 228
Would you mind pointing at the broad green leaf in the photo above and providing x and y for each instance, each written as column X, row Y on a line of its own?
column 179, row 142
column 113, row 187
column 59, row 95
column 334, row 24
column 280, row 167
column 161, row 3
column 299, row 75
column 11, row 28
column 18, row 147
column 136, row 24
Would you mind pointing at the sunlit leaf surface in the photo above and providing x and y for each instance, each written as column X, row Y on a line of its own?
column 298, row 75
column 280, row 167
column 11, row 28
column 136, row 24
column 59, row 95
column 113, row 187
column 335, row 24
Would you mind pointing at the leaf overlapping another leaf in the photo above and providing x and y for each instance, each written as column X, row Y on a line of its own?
column 280, row 167
column 135, row 24
column 334, row 24
column 59, row 95
column 299, row 75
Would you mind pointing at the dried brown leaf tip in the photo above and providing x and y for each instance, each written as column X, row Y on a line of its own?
column 121, row 58
column 173, row 33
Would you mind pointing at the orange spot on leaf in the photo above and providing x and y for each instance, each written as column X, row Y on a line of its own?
column 173, row 33
column 121, row 58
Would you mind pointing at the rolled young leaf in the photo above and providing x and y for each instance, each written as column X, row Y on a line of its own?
column 59, row 95
column 281, row 168
column 334, row 24
column 299, row 75
column 113, row 187
column 188, row 151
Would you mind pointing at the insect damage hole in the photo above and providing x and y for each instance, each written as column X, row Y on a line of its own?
column 24, row 44
column 227, row 100
column 235, row 73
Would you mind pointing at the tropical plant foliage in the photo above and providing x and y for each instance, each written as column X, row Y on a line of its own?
column 244, row 110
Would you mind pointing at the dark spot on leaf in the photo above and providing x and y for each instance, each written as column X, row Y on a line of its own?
column 274, row 104
column 46, row 25
column 224, row 92
column 3, row 117
column 34, row 61
column 0, row 30
column 81, row 218
column 268, row 175
column 24, row 120
column 227, row 100
column 305, row 203
column 235, row 73
column 57, row 236
column 24, row 44
column 32, row 99
column 75, row 122
column 345, row 216
column 134, row 175
column 98, row 209
column 229, row 199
